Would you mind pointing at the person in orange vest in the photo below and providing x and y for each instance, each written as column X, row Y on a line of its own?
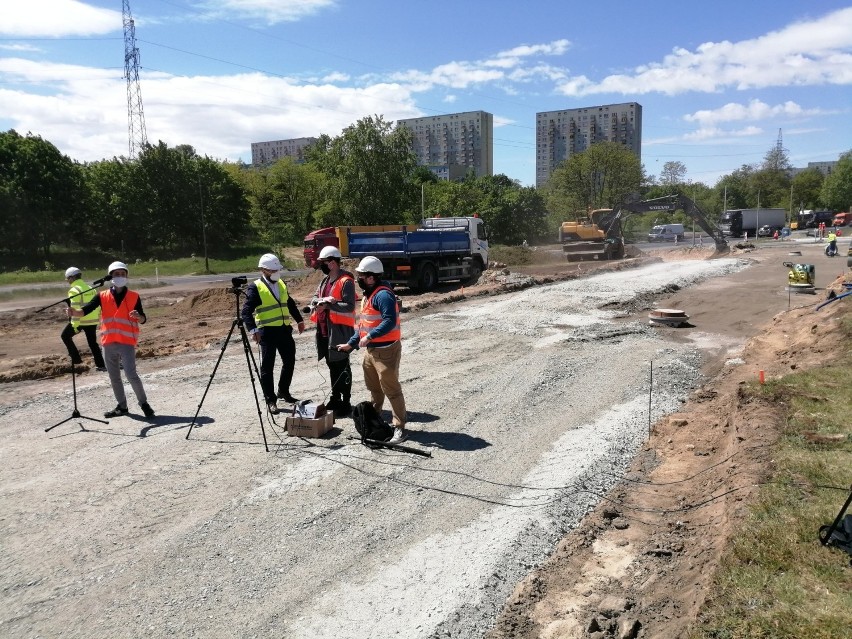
column 333, row 312
column 380, row 334
column 121, row 315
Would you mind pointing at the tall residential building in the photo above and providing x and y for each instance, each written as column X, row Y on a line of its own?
column 267, row 152
column 560, row 134
column 451, row 144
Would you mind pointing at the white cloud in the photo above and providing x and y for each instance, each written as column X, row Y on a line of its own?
column 336, row 77
column 26, row 48
column 86, row 114
column 715, row 133
column 56, row 18
column 505, row 65
column 806, row 53
column 270, row 11
column 754, row 110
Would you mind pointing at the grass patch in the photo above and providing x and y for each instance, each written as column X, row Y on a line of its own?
column 777, row 580
column 510, row 255
column 148, row 269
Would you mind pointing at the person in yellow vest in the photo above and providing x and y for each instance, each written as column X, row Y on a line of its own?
column 121, row 315
column 380, row 334
column 333, row 312
column 80, row 294
column 268, row 314
column 832, row 242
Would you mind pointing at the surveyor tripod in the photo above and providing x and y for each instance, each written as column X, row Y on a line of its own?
column 237, row 289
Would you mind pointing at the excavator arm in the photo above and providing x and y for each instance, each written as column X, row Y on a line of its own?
column 670, row 204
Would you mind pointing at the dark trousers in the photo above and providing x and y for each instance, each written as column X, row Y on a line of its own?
column 91, row 332
column 280, row 339
column 339, row 371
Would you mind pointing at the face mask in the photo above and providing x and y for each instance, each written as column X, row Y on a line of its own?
column 119, row 282
column 324, row 268
column 274, row 277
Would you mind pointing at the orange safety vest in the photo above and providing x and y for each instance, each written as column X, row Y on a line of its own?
column 337, row 317
column 116, row 325
column 371, row 318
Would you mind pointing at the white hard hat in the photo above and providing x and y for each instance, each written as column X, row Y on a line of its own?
column 71, row 271
column 269, row 262
column 329, row 251
column 115, row 266
column 370, row 264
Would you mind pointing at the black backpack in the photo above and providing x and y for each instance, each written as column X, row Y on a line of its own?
column 370, row 424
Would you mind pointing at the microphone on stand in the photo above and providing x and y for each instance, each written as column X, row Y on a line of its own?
column 105, row 278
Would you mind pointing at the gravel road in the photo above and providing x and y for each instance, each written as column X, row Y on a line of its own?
column 531, row 404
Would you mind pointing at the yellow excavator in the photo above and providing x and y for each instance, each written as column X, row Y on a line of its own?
column 600, row 236
column 586, row 239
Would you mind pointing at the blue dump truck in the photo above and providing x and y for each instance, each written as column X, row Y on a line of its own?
column 440, row 249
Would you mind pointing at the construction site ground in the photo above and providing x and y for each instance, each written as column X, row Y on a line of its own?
column 568, row 494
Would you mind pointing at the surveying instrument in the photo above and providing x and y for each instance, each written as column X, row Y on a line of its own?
column 238, row 287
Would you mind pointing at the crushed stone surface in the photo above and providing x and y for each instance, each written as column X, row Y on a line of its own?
column 531, row 403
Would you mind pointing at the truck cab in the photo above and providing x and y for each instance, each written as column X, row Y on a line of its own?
column 315, row 241
column 842, row 219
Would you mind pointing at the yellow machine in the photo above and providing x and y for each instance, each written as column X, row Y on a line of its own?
column 800, row 277
column 584, row 240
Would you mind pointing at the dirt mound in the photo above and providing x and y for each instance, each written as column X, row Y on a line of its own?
column 210, row 302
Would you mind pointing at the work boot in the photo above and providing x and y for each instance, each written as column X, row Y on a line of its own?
column 146, row 408
column 287, row 397
column 343, row 409
column 118, row 411
column 273, row 407
column 332, row 404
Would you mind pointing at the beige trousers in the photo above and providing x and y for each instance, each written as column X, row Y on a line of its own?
column 381, row 376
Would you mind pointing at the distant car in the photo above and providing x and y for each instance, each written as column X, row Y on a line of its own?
column 765, row 231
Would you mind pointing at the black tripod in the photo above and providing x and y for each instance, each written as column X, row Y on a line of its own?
column 236, row 289
column 75, row 414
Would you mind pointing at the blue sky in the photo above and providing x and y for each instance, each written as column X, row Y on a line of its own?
column 717, row 80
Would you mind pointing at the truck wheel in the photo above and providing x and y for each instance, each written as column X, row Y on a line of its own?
column 428, row 276
column 475, row 272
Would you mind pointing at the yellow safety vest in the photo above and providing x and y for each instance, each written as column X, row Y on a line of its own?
column 81, row 294
column 271, row 311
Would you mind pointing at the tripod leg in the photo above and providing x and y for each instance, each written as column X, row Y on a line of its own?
column 252, row 366
column 212, row 375
column 75, row 414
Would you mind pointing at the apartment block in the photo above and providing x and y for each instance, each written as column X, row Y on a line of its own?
column 269, row 152
column 560, row 134
column 452, row 144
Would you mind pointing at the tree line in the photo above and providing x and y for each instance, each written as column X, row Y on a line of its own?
column 172, row 202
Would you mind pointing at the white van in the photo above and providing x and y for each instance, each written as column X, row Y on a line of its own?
column 666, row 233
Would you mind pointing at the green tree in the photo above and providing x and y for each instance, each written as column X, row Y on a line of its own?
column 673, row 174
column 599, row 177
column 512, row 213
column 807, row 186
column 771, row 182
column 837, row 187
column 286, row 201
column 734, row 189
column 368, row 170
column 41, row 196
